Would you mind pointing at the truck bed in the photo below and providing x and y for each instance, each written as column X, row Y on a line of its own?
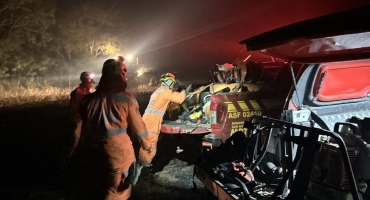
column 177, row 127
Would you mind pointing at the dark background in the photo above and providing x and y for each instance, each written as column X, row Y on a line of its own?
column 191, row 36
column 52, row 41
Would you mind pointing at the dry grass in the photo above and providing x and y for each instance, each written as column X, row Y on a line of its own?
column 20, row 95
column 37, row 135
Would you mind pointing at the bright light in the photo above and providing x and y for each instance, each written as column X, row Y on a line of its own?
column 129, row 57
column 92, row 75
column 140, row 72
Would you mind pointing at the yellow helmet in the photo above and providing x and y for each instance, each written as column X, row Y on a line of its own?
column 168, row 76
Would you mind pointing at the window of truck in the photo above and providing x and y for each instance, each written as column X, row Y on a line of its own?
column 340, row 81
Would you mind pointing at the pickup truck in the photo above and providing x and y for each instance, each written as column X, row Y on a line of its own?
column 324, row 85
column 225, row 112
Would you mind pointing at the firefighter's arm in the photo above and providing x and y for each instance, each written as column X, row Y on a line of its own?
column 137, row 125
column 75, row 105
column 176, row 97
column 72, row 101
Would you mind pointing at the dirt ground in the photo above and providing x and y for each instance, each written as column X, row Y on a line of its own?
column 32, row 140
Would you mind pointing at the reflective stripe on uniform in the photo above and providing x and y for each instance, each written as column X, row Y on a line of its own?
column 125, row 173
column 102, row 113
column 113, row 117
column 143, row 134
column 161, row 90
column 116, row 131
column 159, row 112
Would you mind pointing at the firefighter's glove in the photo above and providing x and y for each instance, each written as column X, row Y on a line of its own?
column 181, row 87
column 207, row 144
column 183, row 93
column 144, row 164
column 150, row 149
column 145, row 156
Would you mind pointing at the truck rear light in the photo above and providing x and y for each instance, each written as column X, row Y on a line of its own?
column 213, row 118
column 215, row 126
column 213, row 106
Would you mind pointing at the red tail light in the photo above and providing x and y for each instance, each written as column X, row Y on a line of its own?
column 213, row 116
column 213, row 106
column 217, row 115
column 215, row 126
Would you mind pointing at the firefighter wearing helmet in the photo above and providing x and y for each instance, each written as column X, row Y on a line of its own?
column 111, row 122
column 155, row 110
column 75, row 102
column 121, row 60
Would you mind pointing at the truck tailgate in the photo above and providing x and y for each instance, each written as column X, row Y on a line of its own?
column 173, row 127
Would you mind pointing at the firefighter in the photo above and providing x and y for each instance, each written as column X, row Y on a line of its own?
column 107, row 115
column 240, row 71
column 76, row 97
column 155, row 110
column 121, row 60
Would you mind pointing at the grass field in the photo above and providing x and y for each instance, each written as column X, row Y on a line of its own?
column 34, row 129
column 19, row 95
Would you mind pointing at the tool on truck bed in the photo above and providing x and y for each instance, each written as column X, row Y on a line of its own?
column 198, row 113
column 300, row 178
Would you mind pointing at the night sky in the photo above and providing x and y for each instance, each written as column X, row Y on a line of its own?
column 190, row 36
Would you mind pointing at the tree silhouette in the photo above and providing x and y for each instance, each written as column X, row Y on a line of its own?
column 24, row 37
column 40, row 40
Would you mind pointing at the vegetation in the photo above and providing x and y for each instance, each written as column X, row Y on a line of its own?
column 19, row 95
column 42, row 44
column 34, row 138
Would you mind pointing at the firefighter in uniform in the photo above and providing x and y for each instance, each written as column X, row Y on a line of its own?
column 75, row 102
column 155, row 110
column 240, row 71
column 121, row 60
column 111, row 121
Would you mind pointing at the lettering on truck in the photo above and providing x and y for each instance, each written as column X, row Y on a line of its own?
column 239, row 111
column 244, row 114
column 238, row 126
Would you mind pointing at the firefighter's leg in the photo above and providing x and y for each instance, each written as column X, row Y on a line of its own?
column 243, row 73
column 166, row 151
column 68, row 150
column 120, row 183
column 136, row 173
column 146, row 157
column 76, row 136
column 236, row 75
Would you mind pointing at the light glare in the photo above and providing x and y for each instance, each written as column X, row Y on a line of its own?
column 129, row 57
